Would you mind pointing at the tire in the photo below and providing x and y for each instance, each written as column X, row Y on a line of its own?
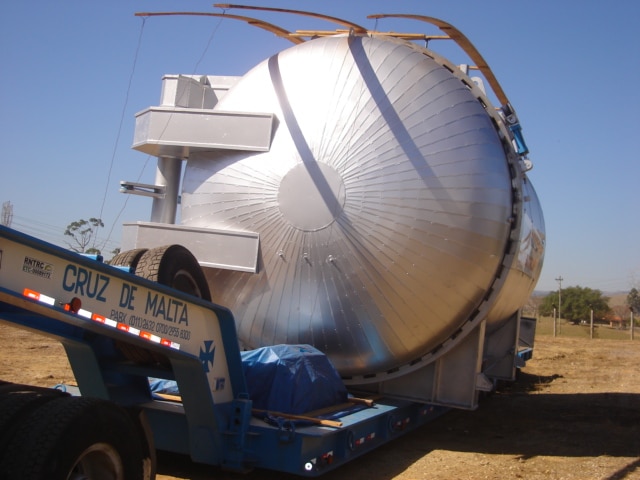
column 75, row 437
column 176, row 267
column 17, row 405
column 129, row 258
column 173, row 266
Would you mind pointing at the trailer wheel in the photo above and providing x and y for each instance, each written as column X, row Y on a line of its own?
column 173, row 266
column 75, row 438
column 176, row 267
column 17, row 405
column 129, row 258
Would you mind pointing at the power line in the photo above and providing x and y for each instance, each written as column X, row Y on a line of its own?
column 54, row 233
column 122, row 114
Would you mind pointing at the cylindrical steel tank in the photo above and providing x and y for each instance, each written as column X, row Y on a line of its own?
column 390, row 206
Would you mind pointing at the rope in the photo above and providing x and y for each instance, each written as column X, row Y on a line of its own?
column 206, row 48
column 117, row 141
column 195, row 68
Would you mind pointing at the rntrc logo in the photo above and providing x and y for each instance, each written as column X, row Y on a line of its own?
column 37, row 267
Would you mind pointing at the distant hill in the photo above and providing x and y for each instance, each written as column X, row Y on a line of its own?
column 617, row 298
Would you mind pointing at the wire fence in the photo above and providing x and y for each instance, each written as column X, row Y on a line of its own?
column 563, row 328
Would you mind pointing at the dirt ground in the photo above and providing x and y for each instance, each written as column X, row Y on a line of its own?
column 574, row 414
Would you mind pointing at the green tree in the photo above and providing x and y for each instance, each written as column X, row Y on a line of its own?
column 83, row 232
column 633, row 300
column 577, row 303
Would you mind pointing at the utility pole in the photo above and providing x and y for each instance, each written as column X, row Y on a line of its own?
column 559, row 280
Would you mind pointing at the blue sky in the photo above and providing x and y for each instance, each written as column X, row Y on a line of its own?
column 74, row 73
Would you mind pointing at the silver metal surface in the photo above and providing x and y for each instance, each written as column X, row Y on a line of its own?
column 213, row 248
column 385, row 206
column 194, row 91
column 185, row 121
column 165, row 206
column 176, row 132
column 526, row 266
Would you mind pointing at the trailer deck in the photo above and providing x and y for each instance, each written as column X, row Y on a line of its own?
column 95, row 310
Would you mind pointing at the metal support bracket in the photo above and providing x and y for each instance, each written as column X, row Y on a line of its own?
column 143, row 189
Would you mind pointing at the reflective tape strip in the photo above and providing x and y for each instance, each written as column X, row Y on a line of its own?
column 123, row 327
column 39, row 297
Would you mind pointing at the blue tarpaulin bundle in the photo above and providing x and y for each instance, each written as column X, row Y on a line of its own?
column 291, row 379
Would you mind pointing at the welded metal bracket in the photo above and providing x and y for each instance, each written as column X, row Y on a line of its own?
column 143, row 189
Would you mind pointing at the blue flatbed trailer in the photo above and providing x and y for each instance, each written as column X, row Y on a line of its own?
column 98, row 311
